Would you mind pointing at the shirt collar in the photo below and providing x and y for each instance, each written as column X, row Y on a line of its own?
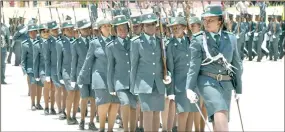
column 148, row 37
column 121, row 40
column 84, row 39
column 105, row 38
column 213, row 34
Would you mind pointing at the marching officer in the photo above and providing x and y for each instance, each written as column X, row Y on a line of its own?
column 195, row 24
column 239, row 32
column 27, row 66
column 282, row 35
column 146, row 73
column 214, row 76
column 258, row 38
column 178, row 56
column 79, row 52
column 51, row 65
column 249, row 36
column 118, row 72
column 39, row 65
column 5, row 33
column 273, row 31
column 231, row 24
column 64, row 68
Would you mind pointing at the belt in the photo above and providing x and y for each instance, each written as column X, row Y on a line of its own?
column 218, row 77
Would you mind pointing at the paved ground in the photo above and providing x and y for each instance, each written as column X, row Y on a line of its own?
column 262, row 102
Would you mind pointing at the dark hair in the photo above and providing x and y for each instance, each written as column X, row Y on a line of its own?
column 115, row 28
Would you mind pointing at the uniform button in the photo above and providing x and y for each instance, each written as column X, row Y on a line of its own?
column 128, row 62
column 127, row 54
column 153, row 63
column 153, row 53
column 187, row 55
column 153, row 73
column 187, row 64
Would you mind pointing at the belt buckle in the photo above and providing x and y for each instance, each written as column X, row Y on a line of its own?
column 219, row 77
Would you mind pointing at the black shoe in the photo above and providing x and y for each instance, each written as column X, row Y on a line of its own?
column 29, row 94
column 92, row 126
column 62, row 116
column 39, row 107
column 75, row 120
column 52, row 112
column 3, row 82
column 46, row 111
column 86, row 112
column 70, row 121
column 81, row 125
column 97, row 119
column 78, row 110
column 160, row 125
column 33, row 108
column 138, row 129
column 103, row 130
column 142, row 130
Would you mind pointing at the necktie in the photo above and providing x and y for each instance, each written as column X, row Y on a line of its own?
column 152, row 42
column 217, row 38
column 87, row 42
column 125, row 43
column 108, row 40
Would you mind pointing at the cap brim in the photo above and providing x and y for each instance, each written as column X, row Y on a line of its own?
column 149, row 21
column 209, row 15
column 32, row 30
column 56, row 27
column 121, row 23
column 87, row 25
column 69, row 26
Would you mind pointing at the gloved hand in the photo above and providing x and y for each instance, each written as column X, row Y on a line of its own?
column 237, row 96
column 255, row 34
column 72, row 84
column 171, row 97
column 167, row 80
column 48, row 79
column 37, row 79
column 113, row 93
column 269, row 33
column 237, row 36
column 273, row 36
column 61, row 81
column 192, row 96
column 80, row 86
column 249, row 33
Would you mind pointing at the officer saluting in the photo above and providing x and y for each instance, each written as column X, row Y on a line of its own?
column 215, row 68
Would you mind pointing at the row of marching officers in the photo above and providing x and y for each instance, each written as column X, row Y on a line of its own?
column 123, row 70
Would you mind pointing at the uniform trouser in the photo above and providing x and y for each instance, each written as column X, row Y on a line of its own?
column 281, row 45
column 17, row 52
column 3, row 64
column 274, row 49
column 249, row 49
column 258, row 44
column 240, row 45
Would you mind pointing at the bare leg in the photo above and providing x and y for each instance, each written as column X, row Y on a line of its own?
column 197, row 117
column 125, row 112
column 156, row 121
column 39, row 94
column 69, row 101
column 190, row 120
column 102, row 111
column 29, row 86
column 76, row 102
column 182, row 119
column 132, row 119
column 221, row 121
column 63, row 99
column 52, row 96
column 92, row 109
column 148, row 122
column 113, row 110
column 83, row 108
column 47, row 87
column 171, row 115
column 204, row 112
column 58, row 98
column 164, row 114
column 33, row 93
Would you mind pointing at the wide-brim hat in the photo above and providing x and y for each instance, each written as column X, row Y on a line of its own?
column 42, row 26
column 136, row 19
column 52, row 25
column 32, row 27
column 103, row 21
column 83, row 24
column 194, row 20
column 67, row 24
column 149, row 18
column 213, row 10
column 178, row 21
column 119, row 20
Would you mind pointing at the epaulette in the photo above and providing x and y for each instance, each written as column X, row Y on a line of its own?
column 228, row 32
column 135, row 38
column 198, row 34
column 110, row 42
column 24, row 41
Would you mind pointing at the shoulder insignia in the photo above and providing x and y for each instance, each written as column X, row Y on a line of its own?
column 24, row 41
column 109, row 42
column 228, row 32
column 198, row 34
column 135, row 38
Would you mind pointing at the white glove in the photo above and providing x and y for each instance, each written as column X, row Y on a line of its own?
column 37, row 79
column 249, row 33
column 269, row 33
column 61, row 81
column 80, row 86
column 192, row 96
column 237, row 96
column 273, row 36
column 255, row 34
column 72, row 84
column 113, row 93
column 48, row 79
column 167, row 80
column 237, row 36
column 171, row 97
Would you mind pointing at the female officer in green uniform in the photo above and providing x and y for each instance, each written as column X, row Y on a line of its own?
column 215, row 68
column 178, row 56
column 27, row 65
column 96, row 64
column 118, row 72
column 146, row 73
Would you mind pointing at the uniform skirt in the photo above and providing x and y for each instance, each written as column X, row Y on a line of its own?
column 153, row 101
column 55, row 81
column 32, row 80
column 104, row 97
column 216, row 97
column 183, row 103
column 127, row 98
column 86, row 91
column 67, row 82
